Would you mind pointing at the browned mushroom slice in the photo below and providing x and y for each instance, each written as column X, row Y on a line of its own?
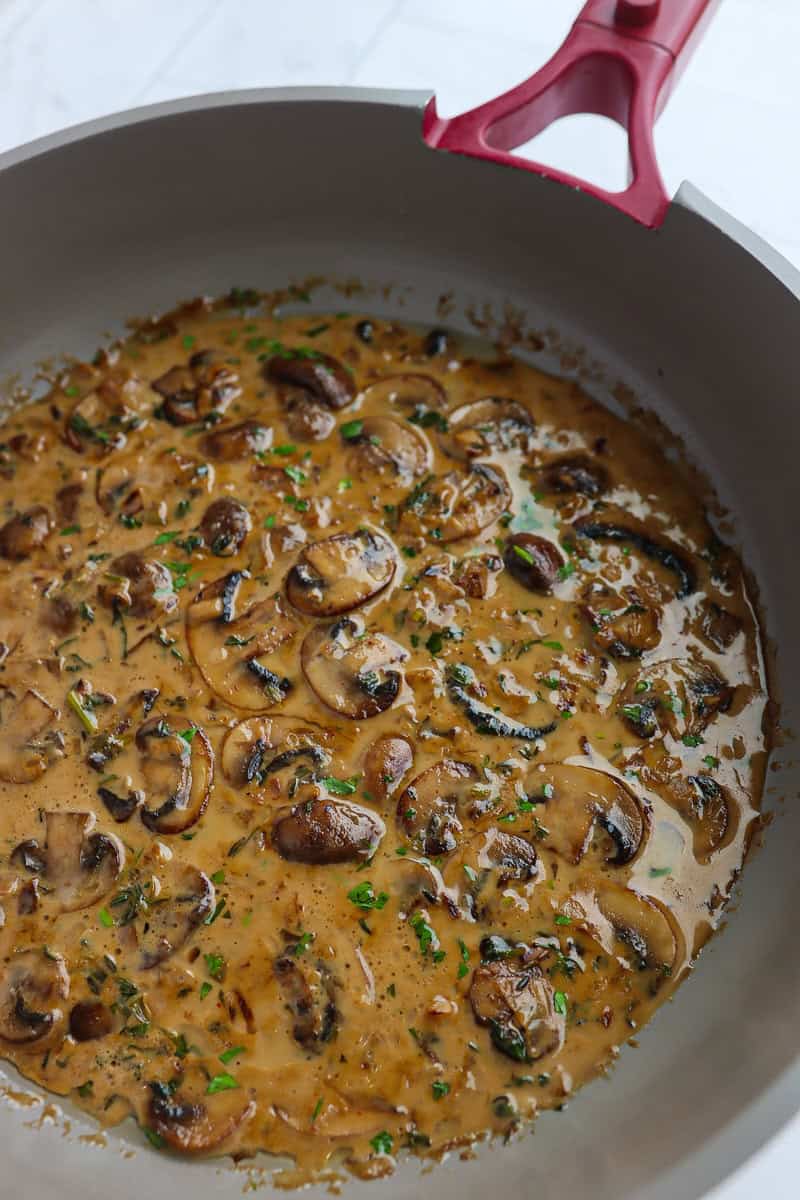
column 78, row 865
column 90, row 1020
column 518, row 1005
column 306, row 419
column 260, row 748
column 33, row 985
column 679, row 696
column 178, row 770
column 137, row 585
column 708, row 810
column 430, row 809
column 318, row 374
column 420, row 398
column 140, row 483
column 231, row 625
column 457, row 505
column 323, row 831
column 28, row 744
column 616, row 525
column 477, row 575
column 492, row 424
column 577, row 799
column 194, row 1120
column 341, row 572
column 534, row 561
column 227, row 443
column 622, row 625
column 383, row 446
column 225, row 525
column 718, row 626
column 572, row 473
column 203, row 388
column 353, row 671
column 622, row 920
column 482, row 872
column 99, row 422
column 308, row 993
column 388, row 761
column 185, row 900
column 24, row 533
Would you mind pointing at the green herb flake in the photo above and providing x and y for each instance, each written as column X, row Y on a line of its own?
column 560, row 919
column 382, row 1143
column 69, row 529
column 188, row 341
column 364, row 897
column 440, row 1089
column 522, row 553
column 659, row 872
column 215, row 965
column 105, row 918
column 691, row 740
column 317, row 1110
column 711, row 762
column 221, row 1083
column 167, row 536
column 560, row 1003
column 340, row 787
column 296, row 475
column 229, row 1055
column 463, row 966
column 155, row 1139
column 205, row 988
column 351, row 430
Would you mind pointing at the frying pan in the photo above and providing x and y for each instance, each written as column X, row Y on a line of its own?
column 671, row 298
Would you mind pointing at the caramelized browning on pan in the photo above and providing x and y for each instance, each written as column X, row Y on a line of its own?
column 380, row 736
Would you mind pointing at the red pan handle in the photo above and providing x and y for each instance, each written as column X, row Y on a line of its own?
column 619, row 60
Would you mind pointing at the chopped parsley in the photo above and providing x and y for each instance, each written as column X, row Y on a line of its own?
column 363, row 896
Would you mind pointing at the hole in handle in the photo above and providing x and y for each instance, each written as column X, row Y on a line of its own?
column 586, row 145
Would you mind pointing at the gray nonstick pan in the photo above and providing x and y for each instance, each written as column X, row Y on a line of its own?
column 669, row 301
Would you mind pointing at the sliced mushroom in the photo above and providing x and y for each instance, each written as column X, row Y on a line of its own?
column 99, row 421
column 614, row 913
column 185, row 900
column 227, row 443
column 28, row 744
column 482, row 872
column 306, row 419
column 225, row 525
column 419, row 397
column 457, row 505
column 204, row 388
column 261, row 748
column 576, row 799
column 477, row 575
column 90, row 1020
column 178, row 770
column 341, row 572
column 534, row 561
column 139, row 586
column 517, row 1003
column 679, row 696
column 573, row 473
column 139, row 483
column 24, row 533
column 718, row 626
column 192, row 1121
column 231, row 625
column 321, row 376
column 121, row 808
column 383, row 446
column 708, row 810
column 323, row 831
column 32, row 987
column 487, row 426
column 618, row 526
column 486, row 718
column 431, row 808
column 622, row 624
column 387, row 762
column 308, row 992
column 78, row 865
column 352, row 670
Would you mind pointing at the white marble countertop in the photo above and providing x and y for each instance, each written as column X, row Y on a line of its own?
column 731, row 126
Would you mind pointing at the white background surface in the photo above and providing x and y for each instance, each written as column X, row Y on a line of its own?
column 731, row 127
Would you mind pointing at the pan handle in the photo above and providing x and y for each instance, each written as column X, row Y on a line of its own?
column 619, row 60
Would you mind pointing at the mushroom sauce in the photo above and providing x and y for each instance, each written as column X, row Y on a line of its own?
column 382, row 734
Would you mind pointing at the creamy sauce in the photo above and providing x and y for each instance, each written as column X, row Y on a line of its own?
column 336, row 847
